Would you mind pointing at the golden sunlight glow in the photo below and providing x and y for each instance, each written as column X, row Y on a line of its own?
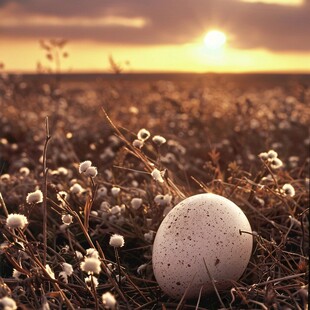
column 279, row 2
column 33, row 20
column 215, row 39
column 87, row 56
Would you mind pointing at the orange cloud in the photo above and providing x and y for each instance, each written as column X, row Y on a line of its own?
column 269, row 26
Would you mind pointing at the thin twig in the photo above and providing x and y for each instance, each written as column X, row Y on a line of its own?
column 213, row 284
column 293, row 276
column 118, row 267
column 3, row 205
column 199, row 297
column 93, row 288
column 106, row 271
column 45, row 172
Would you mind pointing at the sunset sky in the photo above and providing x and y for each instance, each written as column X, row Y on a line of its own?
column 158, row 35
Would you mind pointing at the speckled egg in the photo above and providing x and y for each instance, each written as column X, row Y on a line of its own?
column 201, row 233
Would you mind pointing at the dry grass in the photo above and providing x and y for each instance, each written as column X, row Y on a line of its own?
column 214, row 130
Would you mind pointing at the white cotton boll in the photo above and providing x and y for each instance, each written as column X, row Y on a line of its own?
column 293, row 160
column 109, row 301
column 84, row 165
column 114, row 140
column 134, row 183
column 35, row 197
column 115, row 191
column 78, row 254
column 24, row 171
column 8, row 303
column 105, row 207
column 63, row 276
column 65, row 249
column 276, row 163
column 288, row 190
column 67, row 268
column 168, row 158
column 117, row 241
column 167, row 199
column 101, row 192
column 141, row 269
column 91, row 265
column 76, row 189
column 110, row 268
column 163, row 200
column 159, row 140
column 159, row 199
column 115, row 210
column 62, row 195
column 16, row 221
column 108, row 174
column 156, row 174
column 45, row 306
column 143, row 134
column 62, row 170
column 251, row 157
column 92, row 253
column 5, row 177
column 138, row 143
column 50, row 271
column 91, row 172
column 14, row 146
column 272, row 154
column 134, row 110
column 136, row 203
column 67, row 219
column 16, row 274
column 123, row 208
column 91, row 279
column 263, row 155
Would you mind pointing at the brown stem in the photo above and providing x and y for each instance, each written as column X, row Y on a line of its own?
column 2, row 204
column 45, row 171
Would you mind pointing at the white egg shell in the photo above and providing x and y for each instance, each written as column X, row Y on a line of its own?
column 201, row 231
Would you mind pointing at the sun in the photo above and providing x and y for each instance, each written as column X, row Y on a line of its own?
column 215, row 39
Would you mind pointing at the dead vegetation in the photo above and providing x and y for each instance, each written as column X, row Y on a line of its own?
column 215, row 135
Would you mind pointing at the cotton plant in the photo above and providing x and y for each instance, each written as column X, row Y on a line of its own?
column 35, row 197
column 287, row 190
column 66, row 272
column 8, row 303
column 87, row 169
column 271, row 158
column 117, row 241
column 15, row 220
column 136, row 203
column 157, row 175
column 91, row 265
column 108, row 301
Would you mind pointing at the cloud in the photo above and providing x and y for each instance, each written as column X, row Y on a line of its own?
column 155, row 22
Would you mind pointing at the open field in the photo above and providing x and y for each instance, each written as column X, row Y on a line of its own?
column 215, row 127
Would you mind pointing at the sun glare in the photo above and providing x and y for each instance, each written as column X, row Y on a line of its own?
column 215, row 39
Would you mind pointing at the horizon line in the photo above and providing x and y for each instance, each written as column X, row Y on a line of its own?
column 163, row 72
